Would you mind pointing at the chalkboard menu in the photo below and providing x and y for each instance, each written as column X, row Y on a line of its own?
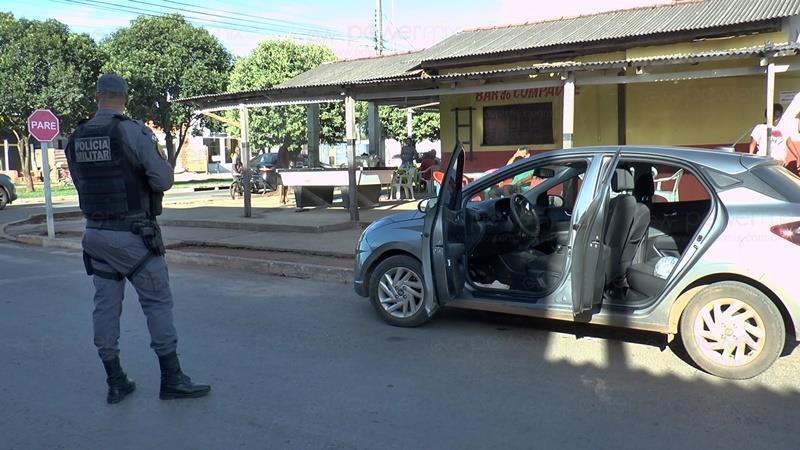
column 527, row 124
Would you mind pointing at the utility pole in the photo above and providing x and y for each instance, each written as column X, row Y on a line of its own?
column 378, row 28
column 244, row 153
column 350, row 135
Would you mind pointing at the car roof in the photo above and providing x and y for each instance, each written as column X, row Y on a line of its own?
column 722, row 161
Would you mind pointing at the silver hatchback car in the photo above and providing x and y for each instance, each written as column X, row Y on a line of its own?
column 698, row 243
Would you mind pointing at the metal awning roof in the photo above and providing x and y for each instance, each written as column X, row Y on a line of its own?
column 637, row 23
column 386, row 88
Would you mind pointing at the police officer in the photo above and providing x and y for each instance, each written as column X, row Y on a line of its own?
column 121, row 173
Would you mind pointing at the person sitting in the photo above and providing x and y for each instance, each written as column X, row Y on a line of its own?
column 426, row 163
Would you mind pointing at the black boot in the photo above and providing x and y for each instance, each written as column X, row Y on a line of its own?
column 174, row 383
column 119, row 385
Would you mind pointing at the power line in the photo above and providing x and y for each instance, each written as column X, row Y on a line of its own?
column 270, row 19
column 399, row 33
column 238, row 26
column 107, row 6
column 301, row 30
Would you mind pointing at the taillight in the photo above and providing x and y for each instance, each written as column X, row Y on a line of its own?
column 788, row 231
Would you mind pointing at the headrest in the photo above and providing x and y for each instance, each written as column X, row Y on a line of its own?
column 645, row 188
column 622, row 181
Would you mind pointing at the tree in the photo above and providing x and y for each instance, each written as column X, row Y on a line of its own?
column 165, row 58
column 271, row 63
column 44, row 66
column 394, row 123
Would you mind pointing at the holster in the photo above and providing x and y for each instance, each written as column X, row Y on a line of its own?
column 150, row 233
column 87, row 264
column 90, row 270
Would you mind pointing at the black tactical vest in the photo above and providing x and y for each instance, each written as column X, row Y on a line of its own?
column 112, row 185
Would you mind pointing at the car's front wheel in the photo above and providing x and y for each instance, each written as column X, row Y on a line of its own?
column 732, row 330
column 397, row 291
column 3, row 197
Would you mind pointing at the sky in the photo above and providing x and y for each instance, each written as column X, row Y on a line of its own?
column 346, row 26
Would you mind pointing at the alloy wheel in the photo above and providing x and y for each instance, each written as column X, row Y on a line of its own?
column 400, row 292
column 729, row 332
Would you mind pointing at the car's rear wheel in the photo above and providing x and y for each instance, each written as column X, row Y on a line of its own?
column 3, row 198
column 397, row 291
column 732, row 330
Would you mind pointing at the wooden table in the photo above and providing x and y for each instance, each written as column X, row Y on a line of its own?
column 314, row 187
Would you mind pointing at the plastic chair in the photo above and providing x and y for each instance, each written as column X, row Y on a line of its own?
column 404, row 179
column 430, row 184
column 669, row 195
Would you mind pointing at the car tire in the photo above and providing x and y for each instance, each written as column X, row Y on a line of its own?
column 737, row 345
column 4, row 197
column 406, row 297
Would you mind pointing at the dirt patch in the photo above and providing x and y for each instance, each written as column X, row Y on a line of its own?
column 330, row 261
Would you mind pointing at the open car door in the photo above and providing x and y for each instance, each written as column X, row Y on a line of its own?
column 444, row 232
column 589, row 251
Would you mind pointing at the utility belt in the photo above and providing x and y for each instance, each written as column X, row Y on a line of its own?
column 150, row 233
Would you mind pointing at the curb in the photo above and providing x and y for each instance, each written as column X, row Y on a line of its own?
column 73, row 198
column 261, row 227
column 328, row 254
column 266, row 267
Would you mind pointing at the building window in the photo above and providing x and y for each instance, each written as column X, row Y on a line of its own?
column 529, row 124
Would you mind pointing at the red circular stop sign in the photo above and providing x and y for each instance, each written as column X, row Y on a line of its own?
column 43, row 125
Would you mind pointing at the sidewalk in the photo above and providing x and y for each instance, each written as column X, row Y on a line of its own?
column 317, row 243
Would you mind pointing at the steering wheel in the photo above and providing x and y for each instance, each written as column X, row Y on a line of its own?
column 524, row 215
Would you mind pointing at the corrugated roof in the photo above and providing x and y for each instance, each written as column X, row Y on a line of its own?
column 364, row 69
column 683, row 16
column 280, row 93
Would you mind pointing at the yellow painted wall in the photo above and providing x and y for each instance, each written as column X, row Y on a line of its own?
column 595, row 118
column 699, row 112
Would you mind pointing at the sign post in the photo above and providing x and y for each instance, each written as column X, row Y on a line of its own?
column 43, row 125
column 5, row 150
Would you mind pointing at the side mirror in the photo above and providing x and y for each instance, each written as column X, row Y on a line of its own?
column 555, row 201
column 426, row 204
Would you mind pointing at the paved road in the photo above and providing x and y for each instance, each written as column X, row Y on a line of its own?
column 301, row 364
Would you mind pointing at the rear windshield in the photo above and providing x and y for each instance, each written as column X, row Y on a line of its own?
column 785, row 183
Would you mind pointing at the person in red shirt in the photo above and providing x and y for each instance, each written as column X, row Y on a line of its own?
column 428, row 161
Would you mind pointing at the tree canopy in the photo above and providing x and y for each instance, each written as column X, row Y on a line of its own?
column 44, row 66
column 165, row 58
column 271, row 63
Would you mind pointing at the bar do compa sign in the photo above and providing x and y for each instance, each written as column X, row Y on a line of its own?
column 43, row 125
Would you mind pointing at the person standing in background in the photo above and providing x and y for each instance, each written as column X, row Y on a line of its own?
column 778, row 141
column 283, row 163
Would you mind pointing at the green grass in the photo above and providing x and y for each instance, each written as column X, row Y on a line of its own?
column 58, row 191
column 22, row 192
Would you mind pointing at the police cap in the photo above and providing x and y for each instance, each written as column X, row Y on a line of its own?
column 112, row 83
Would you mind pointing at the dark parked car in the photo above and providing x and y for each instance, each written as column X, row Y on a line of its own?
column 699, row 243
column 8, row 192
column 265, row 163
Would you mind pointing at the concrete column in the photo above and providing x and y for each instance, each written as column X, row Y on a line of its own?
column 770, row 101
column 350, row 134
column 410, row 122
column 375, row 132
column 312, row 115
column 569, row 109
